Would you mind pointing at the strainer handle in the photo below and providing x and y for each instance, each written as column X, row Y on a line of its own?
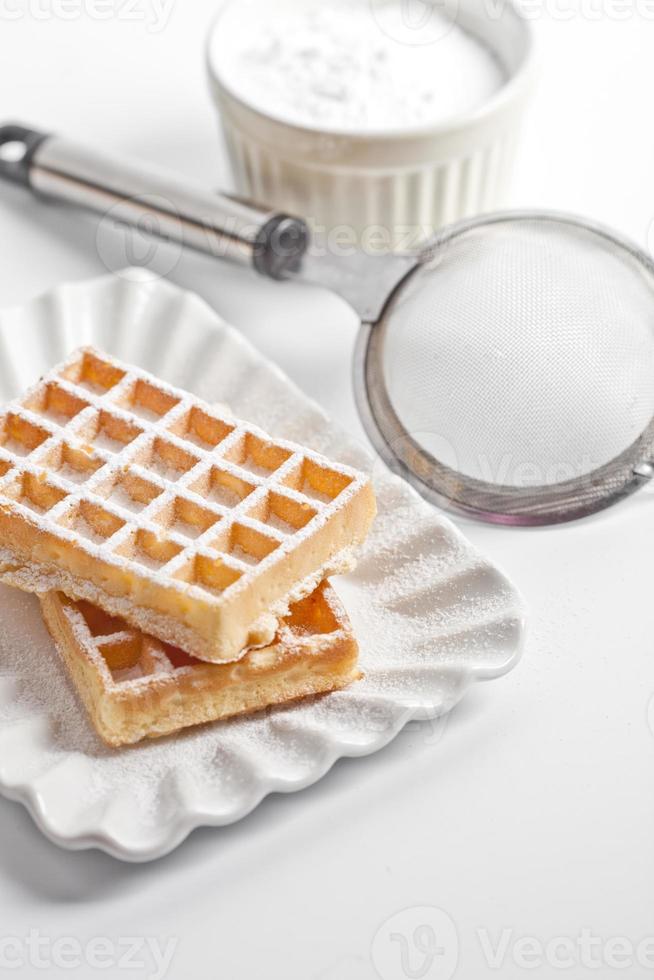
column 162, row 204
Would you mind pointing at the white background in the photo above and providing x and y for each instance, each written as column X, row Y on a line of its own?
column 533, row 812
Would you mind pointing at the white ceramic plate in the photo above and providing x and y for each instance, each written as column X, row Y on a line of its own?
column 431, row 614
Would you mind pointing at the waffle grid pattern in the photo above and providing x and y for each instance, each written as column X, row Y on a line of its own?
column 139, row 474
column 124, row 657
column 136, row 687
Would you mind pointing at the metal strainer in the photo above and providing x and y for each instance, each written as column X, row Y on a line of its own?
column 512, row 374
column 507, row 369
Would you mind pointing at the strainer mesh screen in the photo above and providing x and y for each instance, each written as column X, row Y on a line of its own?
column 522, row 353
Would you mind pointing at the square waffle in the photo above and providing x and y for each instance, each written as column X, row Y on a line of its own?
column 136, row 687
column 192, row 526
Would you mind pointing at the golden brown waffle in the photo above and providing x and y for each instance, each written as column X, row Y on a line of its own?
column 136, row 687
column 193, row 526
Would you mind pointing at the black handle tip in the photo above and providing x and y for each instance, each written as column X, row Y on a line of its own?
column 18, row 144
column 280, row 246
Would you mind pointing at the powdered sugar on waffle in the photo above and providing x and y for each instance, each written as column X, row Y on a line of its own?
column 156, row 452
column 39, row 579
column 427, row 610
column 416, row 605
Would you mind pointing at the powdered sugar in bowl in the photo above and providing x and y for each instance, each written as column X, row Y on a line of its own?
column 377, row 120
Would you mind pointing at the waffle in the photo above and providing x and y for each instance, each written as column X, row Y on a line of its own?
column 192, row 526
column 136, row 687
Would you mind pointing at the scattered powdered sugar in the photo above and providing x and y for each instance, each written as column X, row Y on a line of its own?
column 147, row 561
column 104, row 441
column 163, row 470
column 251, row 467
column 416, row 585
column 352, row 65
column 81, row 526
column 244, row 555
column 162, row 452
column 279, row 524
column 16, row 447
column 59, row 418
column 313, row 494
column 122, row 498
column 218, row 494
column 68, row 472
column 145, row 413
column 426, row 610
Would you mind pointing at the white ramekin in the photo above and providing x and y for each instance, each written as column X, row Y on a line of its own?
column 393, row 186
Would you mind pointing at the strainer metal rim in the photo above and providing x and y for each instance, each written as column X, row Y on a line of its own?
column 450, row 490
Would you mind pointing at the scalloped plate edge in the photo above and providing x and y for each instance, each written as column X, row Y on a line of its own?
column 175, row 831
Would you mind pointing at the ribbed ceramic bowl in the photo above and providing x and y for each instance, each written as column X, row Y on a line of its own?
column 407, row 182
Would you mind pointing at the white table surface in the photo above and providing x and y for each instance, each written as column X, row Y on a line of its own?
column 530, row 813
